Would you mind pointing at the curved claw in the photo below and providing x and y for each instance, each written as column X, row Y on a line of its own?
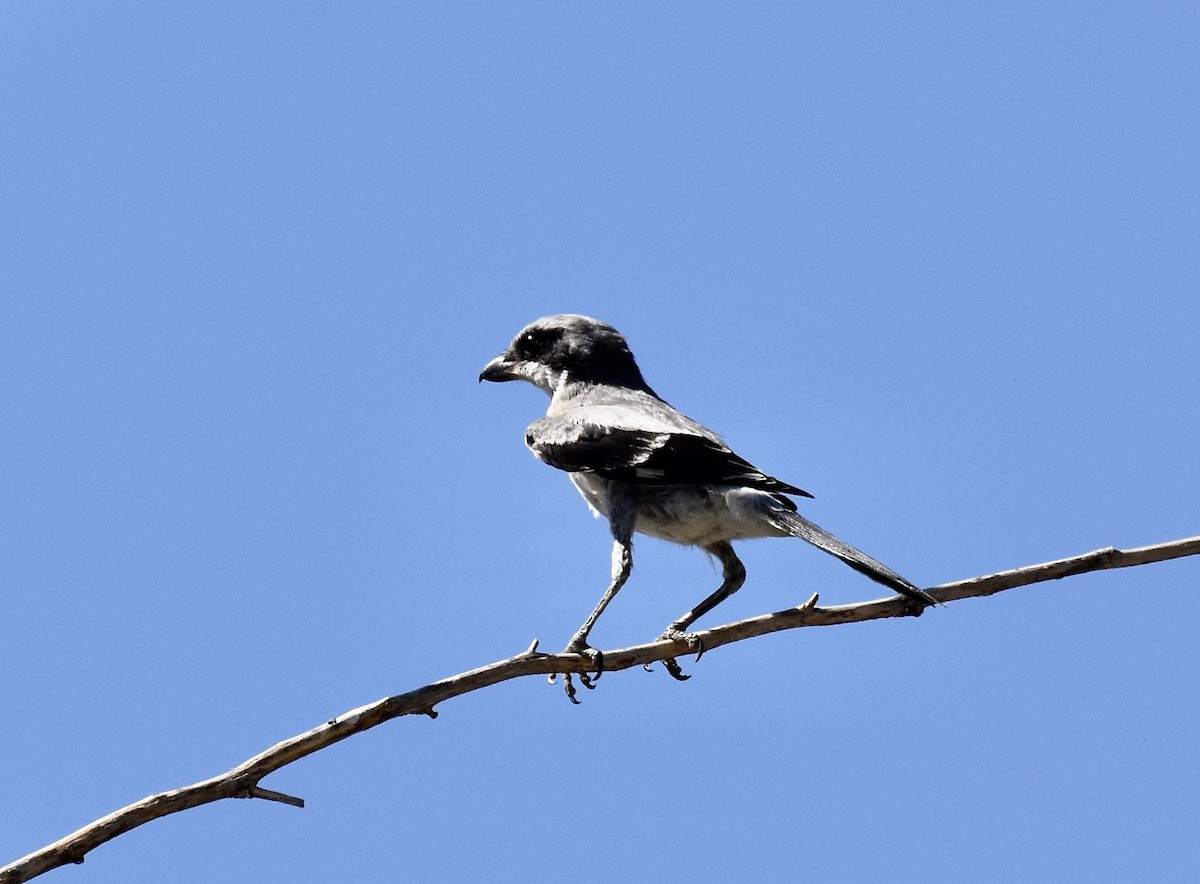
column 674, row 671
column 692, row 641
column 595, row 657
column 570, row 686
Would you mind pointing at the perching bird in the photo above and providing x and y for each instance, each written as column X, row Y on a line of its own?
column 647, row 467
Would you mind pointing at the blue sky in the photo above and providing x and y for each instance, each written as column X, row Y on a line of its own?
column 936, row 263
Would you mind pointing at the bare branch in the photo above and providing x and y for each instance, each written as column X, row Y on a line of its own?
column 242, row 781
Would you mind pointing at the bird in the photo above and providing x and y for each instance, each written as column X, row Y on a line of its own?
column 648, row 468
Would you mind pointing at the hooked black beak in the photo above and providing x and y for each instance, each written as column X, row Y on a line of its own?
column 499, row 369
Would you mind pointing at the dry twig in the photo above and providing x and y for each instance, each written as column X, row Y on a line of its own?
column 242, row 781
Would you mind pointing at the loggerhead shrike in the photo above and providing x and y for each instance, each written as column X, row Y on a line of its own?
column 647, row 467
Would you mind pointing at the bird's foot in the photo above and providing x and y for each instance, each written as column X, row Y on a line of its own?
column 692, row 641
column 579, row 645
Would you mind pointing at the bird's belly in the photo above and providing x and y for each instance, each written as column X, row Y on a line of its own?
column 695, row 515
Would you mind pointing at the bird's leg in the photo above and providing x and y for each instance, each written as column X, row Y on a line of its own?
column 622, row 565
column 622, row 517
column 734, row 575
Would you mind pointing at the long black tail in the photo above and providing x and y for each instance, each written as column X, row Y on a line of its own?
column 798, row 526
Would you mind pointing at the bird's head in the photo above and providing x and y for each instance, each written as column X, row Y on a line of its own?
column 556, row 348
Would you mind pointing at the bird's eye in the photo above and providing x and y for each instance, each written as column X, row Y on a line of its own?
column 530, row 343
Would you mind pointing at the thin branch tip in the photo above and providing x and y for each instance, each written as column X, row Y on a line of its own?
column 270, row 795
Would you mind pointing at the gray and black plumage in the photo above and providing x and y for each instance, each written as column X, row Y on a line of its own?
column 647, row 467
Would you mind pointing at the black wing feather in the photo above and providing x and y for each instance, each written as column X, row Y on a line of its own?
column 644, row 457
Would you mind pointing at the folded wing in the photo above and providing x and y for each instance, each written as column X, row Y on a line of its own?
column 645, row 457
